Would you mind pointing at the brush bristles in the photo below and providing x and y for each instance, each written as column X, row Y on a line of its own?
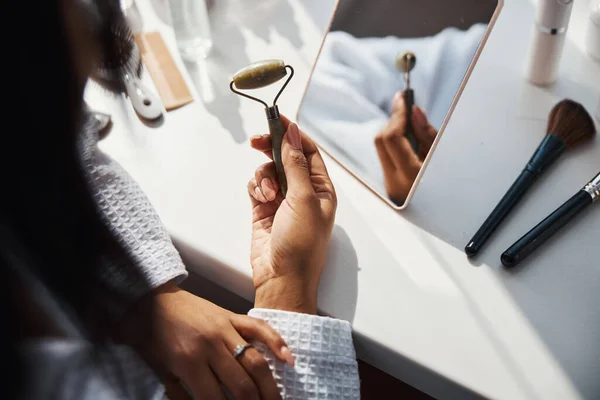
column 570, row 122
column 119, row 54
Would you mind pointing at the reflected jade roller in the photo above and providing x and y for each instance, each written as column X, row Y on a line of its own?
column 405, row 63
column 258, row 75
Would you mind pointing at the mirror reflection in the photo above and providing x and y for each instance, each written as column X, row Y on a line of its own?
column 385, row 81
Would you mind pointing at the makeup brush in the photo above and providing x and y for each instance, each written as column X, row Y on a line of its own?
column 552, row 224
column 568, row 124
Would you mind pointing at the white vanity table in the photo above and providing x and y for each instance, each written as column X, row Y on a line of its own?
column 420, row 309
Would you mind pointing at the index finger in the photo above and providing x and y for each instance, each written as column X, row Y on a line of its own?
column 263, row 142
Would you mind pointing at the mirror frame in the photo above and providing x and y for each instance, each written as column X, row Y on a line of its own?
column 442, row 129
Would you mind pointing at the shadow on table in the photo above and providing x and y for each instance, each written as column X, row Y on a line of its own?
column 212, row 76
column 161, row 9
column 212, row 84
column 340, row 278
column 279, row 17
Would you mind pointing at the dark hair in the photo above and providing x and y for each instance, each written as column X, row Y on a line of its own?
column 49, row 223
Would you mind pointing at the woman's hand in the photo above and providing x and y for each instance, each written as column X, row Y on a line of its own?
column 193, row 342
column 290, row 237
column 398, row 159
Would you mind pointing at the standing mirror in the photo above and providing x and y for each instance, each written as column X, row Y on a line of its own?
column 387, row 79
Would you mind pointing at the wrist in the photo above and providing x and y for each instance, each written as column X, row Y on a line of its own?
column 285, row 294
column 133, row 325
column 166, row 288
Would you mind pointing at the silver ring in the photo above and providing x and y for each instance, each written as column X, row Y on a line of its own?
column 240, row 349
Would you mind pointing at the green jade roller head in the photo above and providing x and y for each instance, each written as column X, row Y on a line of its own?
column 405, row 63
column 259, row 75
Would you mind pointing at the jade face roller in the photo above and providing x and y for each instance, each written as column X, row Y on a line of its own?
column 405, row 63
column 258, row 75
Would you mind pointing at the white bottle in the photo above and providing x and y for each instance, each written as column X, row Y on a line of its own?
column 548, row 40
column 192, row 28
column 592, row 39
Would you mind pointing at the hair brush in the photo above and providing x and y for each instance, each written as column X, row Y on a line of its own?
column 120, row 66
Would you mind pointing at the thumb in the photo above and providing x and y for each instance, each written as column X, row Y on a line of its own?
column 295, row 164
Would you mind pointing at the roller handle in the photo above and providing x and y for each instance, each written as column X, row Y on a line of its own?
column 546, row 154
column 409, row 101
column 277, row 131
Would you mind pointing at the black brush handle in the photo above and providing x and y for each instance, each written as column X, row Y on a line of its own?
column 409, row 101
column 546, row 154
column 277, row 131
column 510, row 199
column 545, row 229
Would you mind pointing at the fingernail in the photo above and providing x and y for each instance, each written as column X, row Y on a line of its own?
column 399, row 100
column 294, row 136
column 259, row 195
column 273, row 184
column 268, row 188
column 287, row 355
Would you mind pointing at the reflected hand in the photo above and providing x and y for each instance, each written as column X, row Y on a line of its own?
column 399, row 161
column 290, row 237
